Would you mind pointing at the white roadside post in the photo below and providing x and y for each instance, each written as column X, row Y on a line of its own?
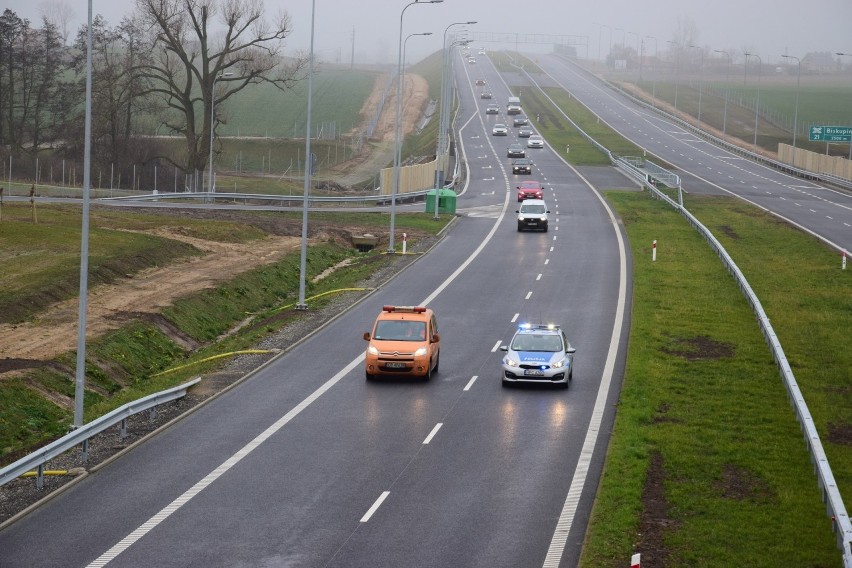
column 654, row 251
column 843, row 262
column 404, row 238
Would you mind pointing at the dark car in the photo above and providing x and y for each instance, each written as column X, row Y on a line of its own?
column 516, row 151
column 520, row 121
column 521, row 166
column 485, row 95
column 525, row 132
column 480, row 81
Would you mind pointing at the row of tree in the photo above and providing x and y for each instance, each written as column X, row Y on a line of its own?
column 156, row 70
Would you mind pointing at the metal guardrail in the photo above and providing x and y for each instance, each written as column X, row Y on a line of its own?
column 272, row 199
column 81, row 435
column 835, row 507
column 733, row 148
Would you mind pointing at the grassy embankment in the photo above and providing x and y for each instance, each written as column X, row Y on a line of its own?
column 44, row 267
column 703, row 411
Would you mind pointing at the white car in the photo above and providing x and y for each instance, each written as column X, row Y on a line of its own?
column 535, row 141
column 499, row 130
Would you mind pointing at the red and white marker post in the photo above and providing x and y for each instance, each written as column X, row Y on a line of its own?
column 654, row 251
column 635, row 560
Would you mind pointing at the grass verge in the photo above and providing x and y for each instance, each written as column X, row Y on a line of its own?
column 702, row 402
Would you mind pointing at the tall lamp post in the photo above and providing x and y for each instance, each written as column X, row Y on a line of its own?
column 309, row 167
column 445, row 103
column 841, row 54
column 210, row 187
column 757, row 102
column 677, row 67
column 727, row 88
column 399, row 100
column 600, row 33
column 80, row 371
column 796, row 111
column 444, row 121
column 395, row 187
column 654, row 80
column 700, row 77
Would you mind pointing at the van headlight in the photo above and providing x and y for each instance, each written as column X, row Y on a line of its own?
column 421, row 351
column 372, row 350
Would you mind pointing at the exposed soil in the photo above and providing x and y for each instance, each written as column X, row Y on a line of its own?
column 730, row 232
column 840, row 434
column 654, row 521
column 699, row 347
column 742, row 485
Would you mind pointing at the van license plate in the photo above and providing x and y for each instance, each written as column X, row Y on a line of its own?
column 395, row 365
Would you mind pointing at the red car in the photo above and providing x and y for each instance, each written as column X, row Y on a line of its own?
column 530, row 190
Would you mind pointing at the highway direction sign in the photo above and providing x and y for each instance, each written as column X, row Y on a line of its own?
column 831, row 134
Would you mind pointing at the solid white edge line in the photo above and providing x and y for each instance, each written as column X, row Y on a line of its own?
column 470, row 382
column 496, row 345
column 432, row 433
column 146, row 527
column 375, row 506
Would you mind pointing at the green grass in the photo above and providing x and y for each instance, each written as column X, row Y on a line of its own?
column 724, row 413
column 121, row 365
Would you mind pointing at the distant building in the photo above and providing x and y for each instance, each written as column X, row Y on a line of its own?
column 819, row 62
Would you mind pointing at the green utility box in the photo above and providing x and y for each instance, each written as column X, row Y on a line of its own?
column 446, row 201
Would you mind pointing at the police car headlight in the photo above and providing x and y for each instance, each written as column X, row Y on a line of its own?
column 420, row 352
column 510, row 362
column 372, row 350
column 561, row 363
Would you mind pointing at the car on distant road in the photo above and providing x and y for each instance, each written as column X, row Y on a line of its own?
column 520, row 121
column 530, row 190
column 525, row 132
column 471, row 60
column 499, row 130
column 480, row 82
column 492, row 109
column 521, row 166
column 539, row 354
column 515, row 151
column 532, row 214
column 535, row 141
column 485, row 95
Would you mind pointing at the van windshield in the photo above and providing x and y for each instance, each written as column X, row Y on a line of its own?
column 395, row 330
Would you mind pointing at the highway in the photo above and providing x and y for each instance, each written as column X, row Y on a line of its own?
column 704, row 167
column 307, row 464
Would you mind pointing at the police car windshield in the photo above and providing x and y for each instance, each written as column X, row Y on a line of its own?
column 531, row 342
column 393, row 330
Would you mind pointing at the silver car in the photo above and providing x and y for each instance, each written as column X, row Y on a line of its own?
column 535, row 141
column 539, row 354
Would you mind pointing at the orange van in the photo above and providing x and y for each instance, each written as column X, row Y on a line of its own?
column 404, row 341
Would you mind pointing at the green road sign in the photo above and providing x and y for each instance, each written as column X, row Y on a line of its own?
column 831, row 134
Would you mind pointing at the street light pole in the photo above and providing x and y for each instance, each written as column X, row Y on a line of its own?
column 395, row 187
column 80, row 376
column 700, row 85
column 600, row 33
column 796, row 112
column 757, row 102
column 445, row 104
column 841, row 54
column 212, row 118
column 444, row 120
column 727, row 88
column 309, row 166
column 654, row 80
column 677, row 67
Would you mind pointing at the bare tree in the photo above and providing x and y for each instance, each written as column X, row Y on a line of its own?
column 59, row 13
column 188, row 57
column 12, row 31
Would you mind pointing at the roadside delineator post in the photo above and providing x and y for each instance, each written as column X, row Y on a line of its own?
column 654, row 251
column 404, row 236
column 634, row 560
column 843, row 262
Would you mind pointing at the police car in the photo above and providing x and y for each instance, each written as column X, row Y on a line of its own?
column 538, row 353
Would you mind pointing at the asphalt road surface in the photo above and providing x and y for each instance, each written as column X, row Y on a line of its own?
column 307, row 464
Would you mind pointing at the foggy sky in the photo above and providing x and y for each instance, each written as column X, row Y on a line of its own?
column 769, row 29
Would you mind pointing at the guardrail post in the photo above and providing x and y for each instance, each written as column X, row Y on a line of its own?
column 85, row 448
column 152, row 414
column 40, row 477
column 122, row 431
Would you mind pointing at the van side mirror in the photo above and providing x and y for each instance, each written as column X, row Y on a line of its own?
column 435, row 338
column 367, row 335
